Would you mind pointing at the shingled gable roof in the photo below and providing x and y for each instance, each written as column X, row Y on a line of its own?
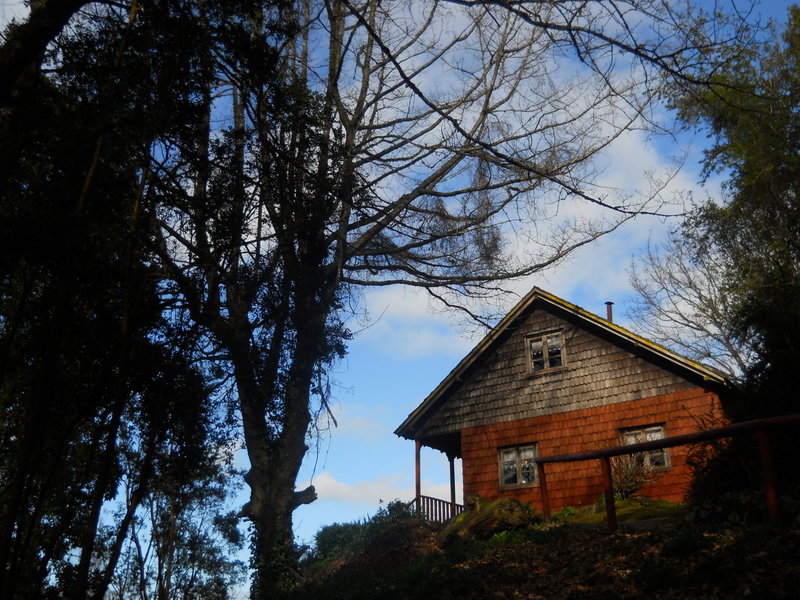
column 539, row 298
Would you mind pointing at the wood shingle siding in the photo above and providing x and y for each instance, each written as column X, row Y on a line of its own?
column 573, row 484
column 502, row 388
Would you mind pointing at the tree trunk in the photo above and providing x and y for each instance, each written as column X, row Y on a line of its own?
column 276, row 463
column 98, row 494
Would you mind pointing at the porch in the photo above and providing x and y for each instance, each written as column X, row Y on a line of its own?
column 427, row 507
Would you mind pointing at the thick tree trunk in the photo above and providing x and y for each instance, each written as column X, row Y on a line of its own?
column 275, row 463
column 271, row 478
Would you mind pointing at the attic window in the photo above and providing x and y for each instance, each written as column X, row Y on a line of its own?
column 517, row 466
column 546, row 351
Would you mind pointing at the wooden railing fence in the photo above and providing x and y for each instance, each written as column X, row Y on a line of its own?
column 604, row 455
column 436, row 510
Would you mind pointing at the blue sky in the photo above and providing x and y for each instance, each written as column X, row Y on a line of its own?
column 404, row 349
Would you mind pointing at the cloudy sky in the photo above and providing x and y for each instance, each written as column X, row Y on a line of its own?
column 10, row 9
column 404, row 349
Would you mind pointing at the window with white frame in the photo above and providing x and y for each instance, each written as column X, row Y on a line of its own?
column 651, row 459
column 517, row 466
column 546, row 351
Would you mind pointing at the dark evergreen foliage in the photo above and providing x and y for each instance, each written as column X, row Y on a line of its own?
column 751, row 113
column 100, row 398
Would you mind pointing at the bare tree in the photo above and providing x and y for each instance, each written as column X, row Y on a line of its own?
column 419, row 143
column 681, row 301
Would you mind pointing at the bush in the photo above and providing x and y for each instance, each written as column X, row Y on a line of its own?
column 728, row 486
column 486, row 519
column 340, row 539
column 629, row 473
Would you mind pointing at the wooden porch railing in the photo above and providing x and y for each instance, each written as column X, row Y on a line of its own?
column 760, row 426
column 434, row 509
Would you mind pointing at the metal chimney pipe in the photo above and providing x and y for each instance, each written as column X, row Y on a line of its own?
column 609, row 312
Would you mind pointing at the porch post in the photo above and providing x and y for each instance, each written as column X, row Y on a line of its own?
column 418, row 480
column 452, row 460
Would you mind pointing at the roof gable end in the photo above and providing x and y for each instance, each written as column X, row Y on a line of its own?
column 539, row 299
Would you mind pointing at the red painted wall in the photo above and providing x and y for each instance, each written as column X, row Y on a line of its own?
column 575, row 484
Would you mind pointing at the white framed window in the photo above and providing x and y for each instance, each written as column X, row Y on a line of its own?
column 546, row 351
column 517, row 466
column 651, row 459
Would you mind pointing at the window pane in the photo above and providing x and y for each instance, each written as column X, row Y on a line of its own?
column 527, row 466
column 651, row 458
column 639, row 460
column 658, row 458
column 509, row 466
column 554, row 350
column 537, row 354
column 632, row 437
column 653, row 434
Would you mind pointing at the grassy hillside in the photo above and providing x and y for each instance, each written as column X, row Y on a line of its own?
column 402, row 559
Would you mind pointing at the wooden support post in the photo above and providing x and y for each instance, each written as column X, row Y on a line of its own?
column 768, row 468
column 452, row 460
column 543, row 490
column 608, row 490
column 418, row 473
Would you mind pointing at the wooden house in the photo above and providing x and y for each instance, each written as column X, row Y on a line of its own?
column 552, row 378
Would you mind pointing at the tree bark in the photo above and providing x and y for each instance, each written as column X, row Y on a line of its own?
column 276, row 463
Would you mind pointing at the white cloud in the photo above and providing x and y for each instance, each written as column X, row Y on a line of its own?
column 399, row 302
column 385, row 488
column 599, row 272
column 402, row 322
column 370, row 493
column 12, row 9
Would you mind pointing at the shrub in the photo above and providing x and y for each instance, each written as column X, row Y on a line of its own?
column 335, row 540
column 486, row 519
column 339, row 539
column 629, row 473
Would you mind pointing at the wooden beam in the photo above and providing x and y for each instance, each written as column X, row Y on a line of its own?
column 452, row 460
column 608, row 491
column 768, row 469
column 543, row 491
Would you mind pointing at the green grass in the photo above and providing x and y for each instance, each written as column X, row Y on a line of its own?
column 630, row 509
